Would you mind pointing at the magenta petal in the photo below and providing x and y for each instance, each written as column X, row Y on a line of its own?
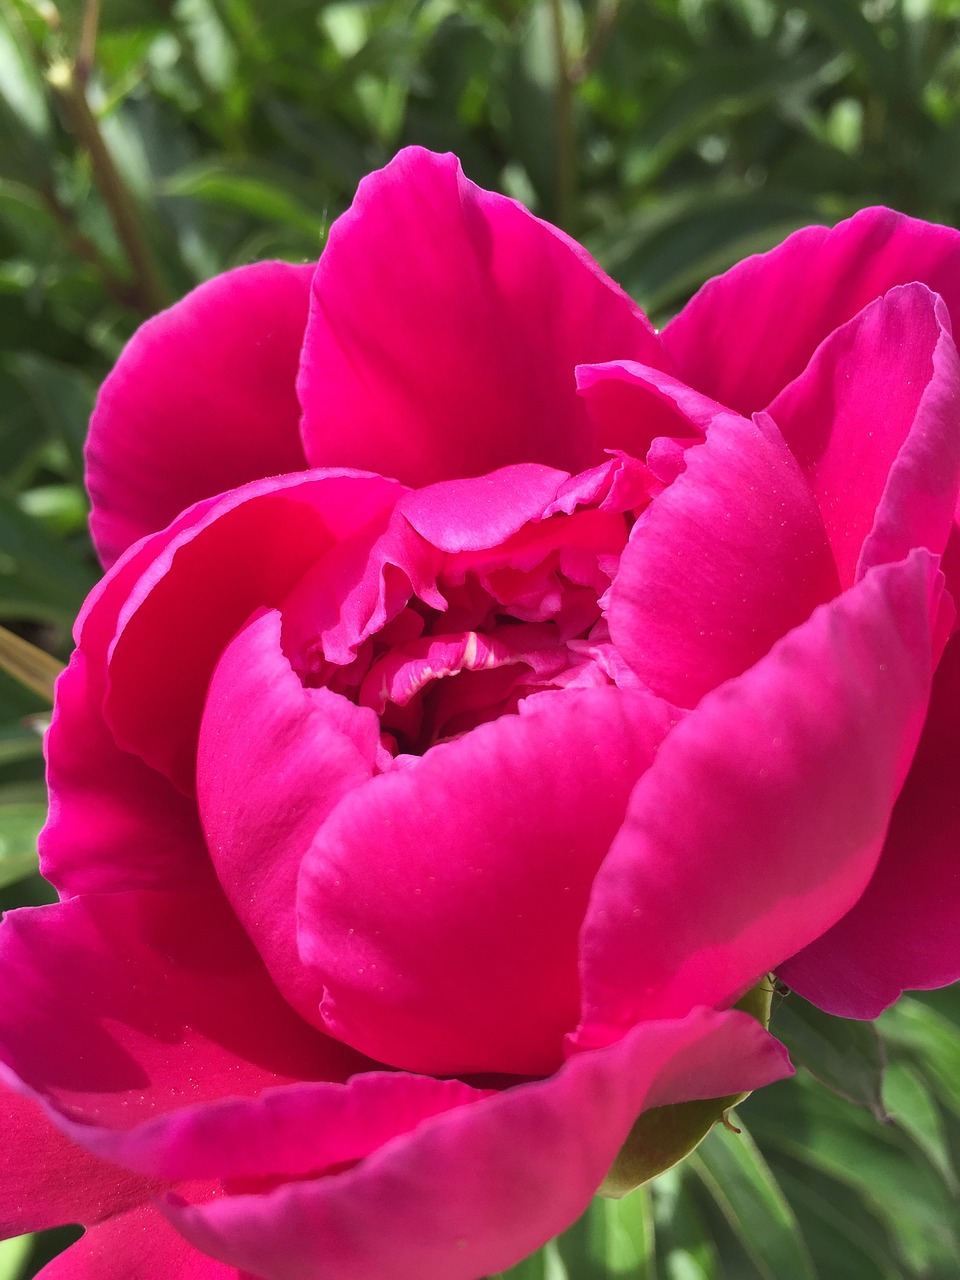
column 140, row 1245
column 474, row 1190
column 292, row 1131
column 113, row 822
column 631, row 404
column 445, row 326
column 117, row 1006
column 903, row 933
column 482, row 853
column 202, row 400
column 720, row 565
column 483, row 511
column 46, row 1181
column 872, row 421
column 749, row 332
column 269, row 771
column 763, row 816
column 243, row 552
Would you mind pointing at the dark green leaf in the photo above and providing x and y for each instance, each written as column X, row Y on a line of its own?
column 844, row 1055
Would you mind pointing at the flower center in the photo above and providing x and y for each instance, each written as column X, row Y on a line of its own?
column 498, row 625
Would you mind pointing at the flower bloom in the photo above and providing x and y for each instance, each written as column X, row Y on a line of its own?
column 484, row 693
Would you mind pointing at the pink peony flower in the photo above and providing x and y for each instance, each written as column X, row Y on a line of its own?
column 485, row 692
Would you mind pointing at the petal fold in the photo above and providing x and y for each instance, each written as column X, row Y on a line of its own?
column 472, row 1191
column 269, row 772
column 46, row 1180
column 140, row 1245
column 727, row 559
column 115, row 1007
column 872, row 421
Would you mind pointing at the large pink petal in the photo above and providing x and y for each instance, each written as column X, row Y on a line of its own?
column 118, row 1006
column 140, row 1245
column 445, row 326
column 763, row 816
column 440, row 904
column 292, row 1131
column 720, row 565
column 246, row 551
column 903, row 933
column 875, row 416
column 269, row 771
column 749, row 332
column 46, row 1180
column 472, row 1191
column 202, row 400
column 113, row 822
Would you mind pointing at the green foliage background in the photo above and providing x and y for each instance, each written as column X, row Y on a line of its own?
column 149, row 145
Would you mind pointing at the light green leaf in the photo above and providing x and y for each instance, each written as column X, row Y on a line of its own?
column 907, row 1098
column 739, row 1180
column 933, row 1042
column 13, row 1256
column 23, row 811
column 684, row 1244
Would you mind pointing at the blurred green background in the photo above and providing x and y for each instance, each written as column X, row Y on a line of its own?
column 146, row 145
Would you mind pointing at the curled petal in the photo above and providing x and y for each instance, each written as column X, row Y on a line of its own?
column 245, row 551
column 721, row 564
column 269, row 771
column 472, row 1191
column 291, row 1131
column 872, row 421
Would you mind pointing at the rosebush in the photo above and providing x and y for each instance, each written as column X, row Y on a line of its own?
column 484, row 694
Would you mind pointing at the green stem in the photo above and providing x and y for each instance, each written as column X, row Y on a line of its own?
column 85, row 127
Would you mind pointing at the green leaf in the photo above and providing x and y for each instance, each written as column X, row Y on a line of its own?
column 907, row 1098
column 40, row 577
column 879, row 1163
column 932, row 1041
column 23, row 810
column 13, row 1256
column 264, row 198
column 19, row 743
column 684, row 1243
column 63, row 398
column 739, row 1180
column 846, row 1056
column 843, row 1236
